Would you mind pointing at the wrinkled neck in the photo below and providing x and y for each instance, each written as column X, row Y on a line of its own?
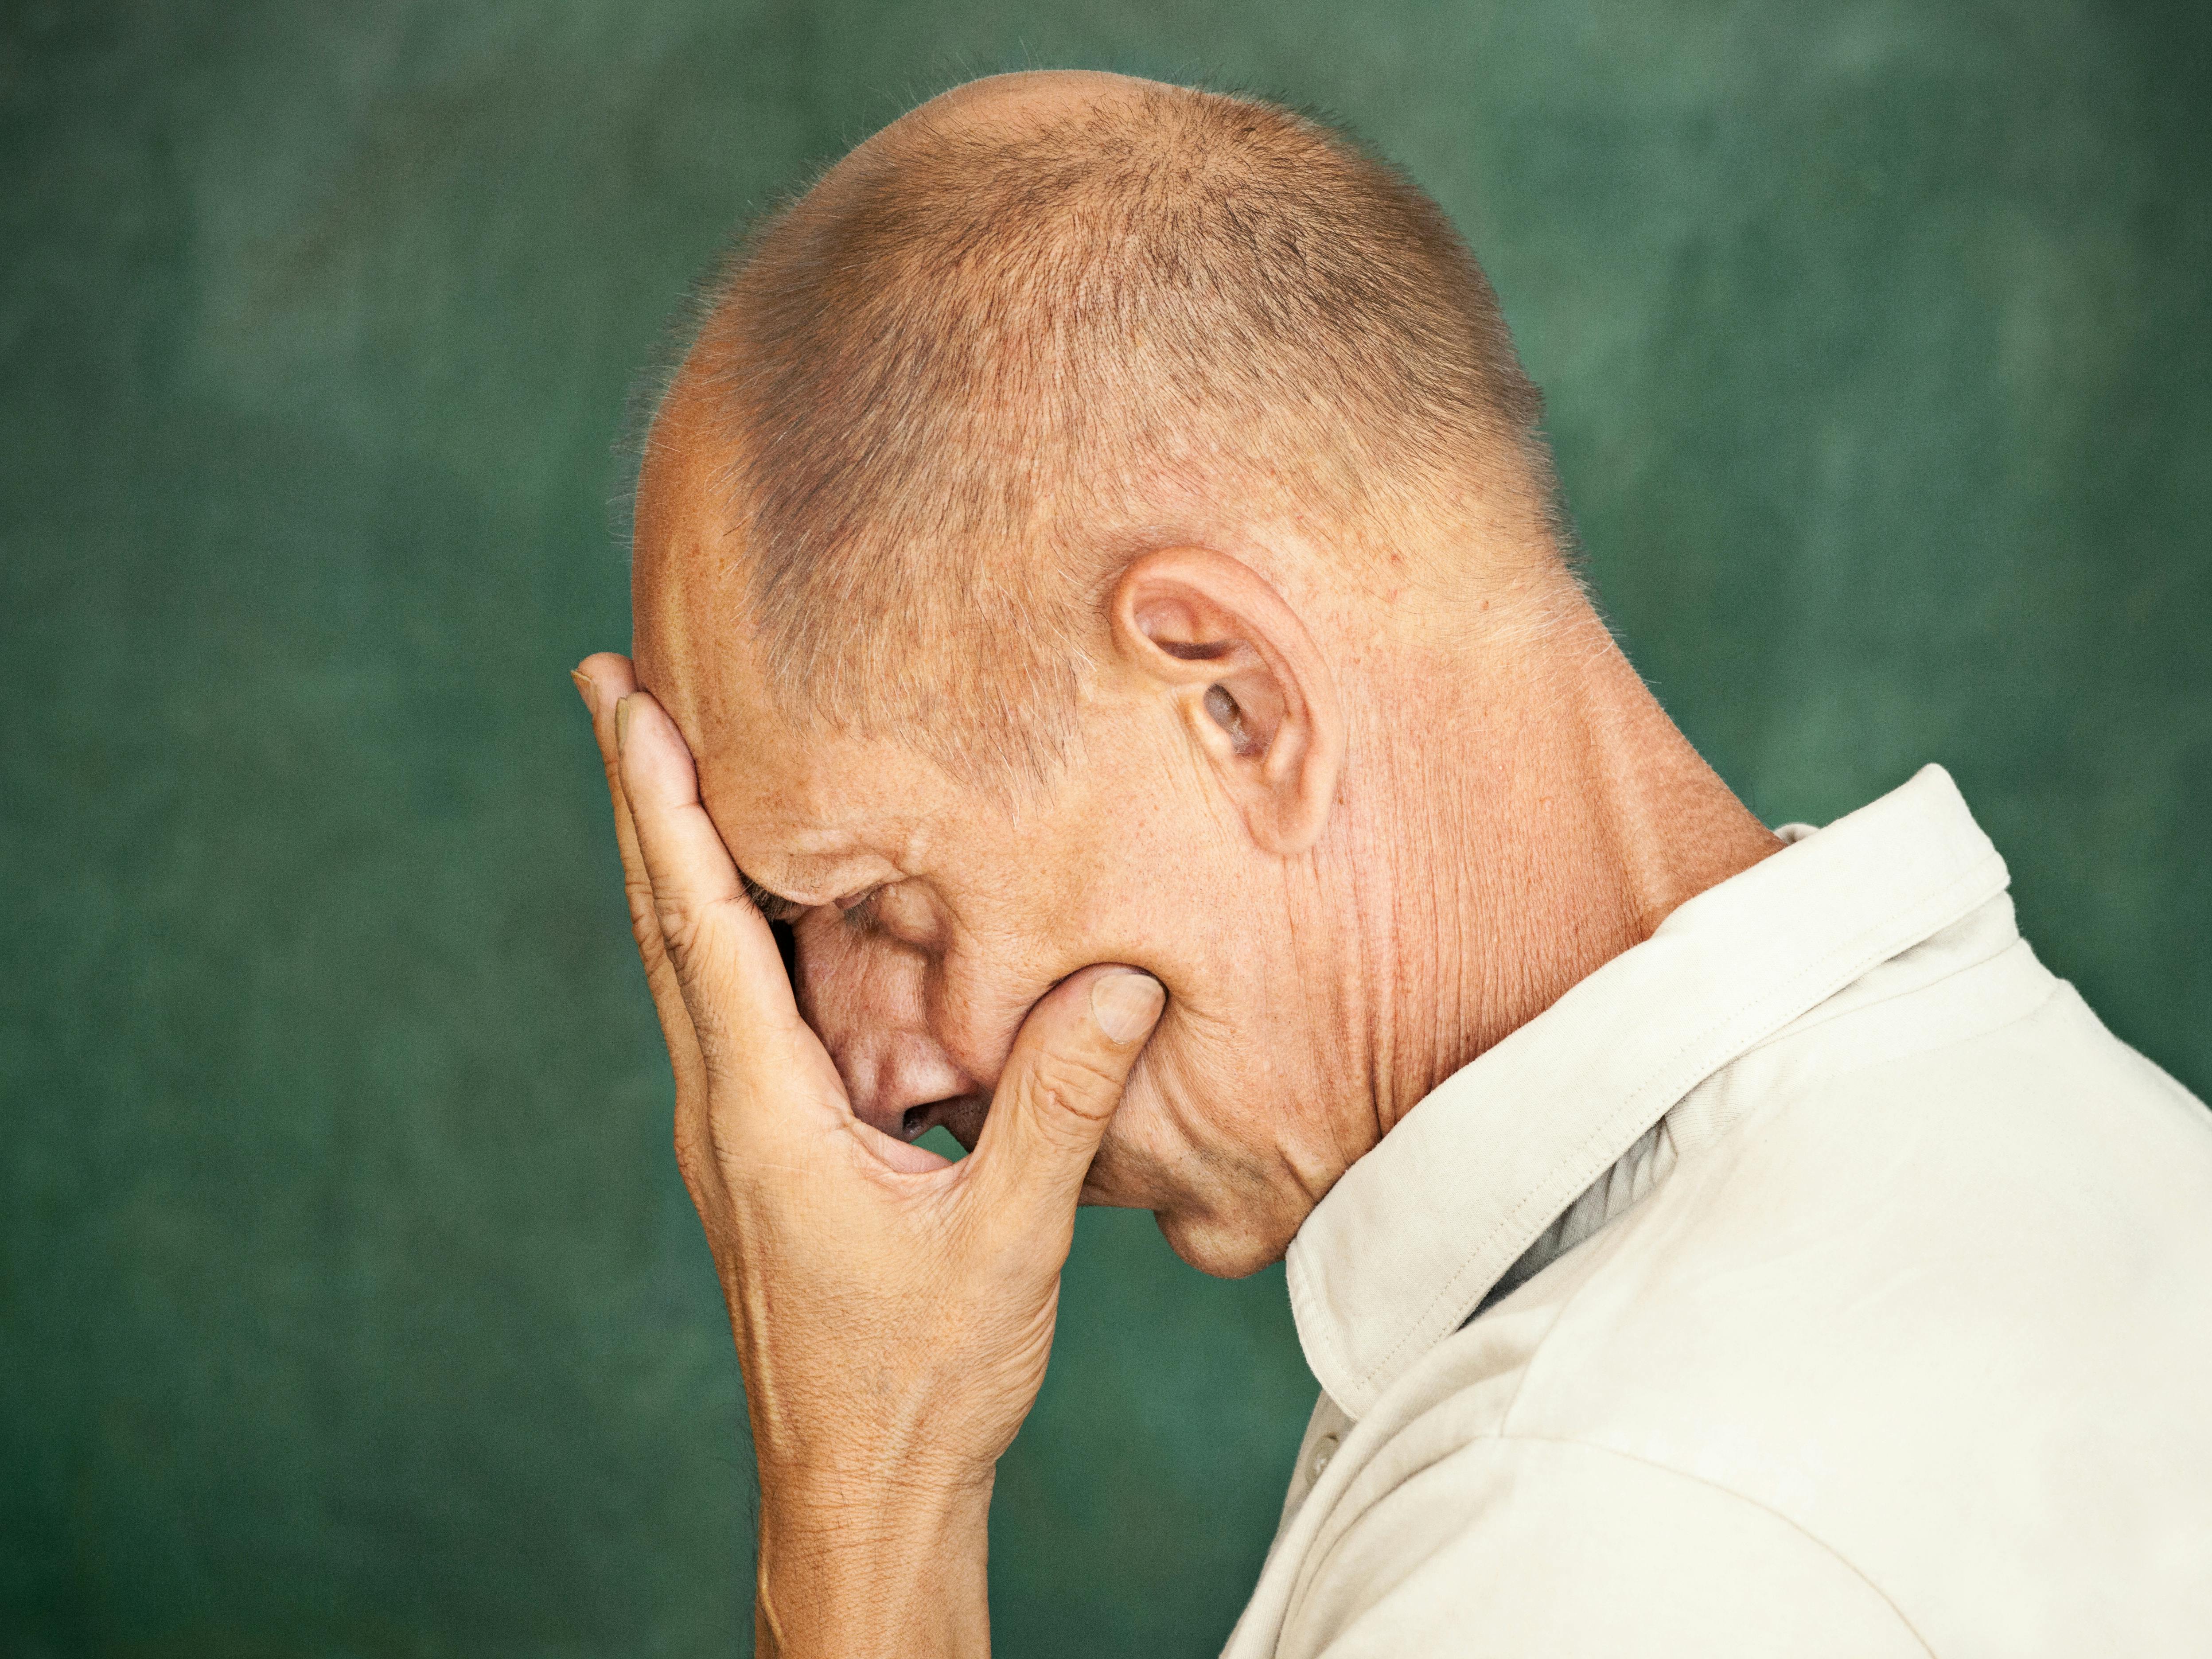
column 1520, row 827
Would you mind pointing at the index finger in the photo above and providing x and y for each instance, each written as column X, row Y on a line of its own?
column 606, row 679
column 727, row 967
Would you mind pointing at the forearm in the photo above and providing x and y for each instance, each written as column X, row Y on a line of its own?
column 855, row 1574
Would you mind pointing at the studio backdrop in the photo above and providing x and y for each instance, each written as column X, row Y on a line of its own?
column 349, row 1302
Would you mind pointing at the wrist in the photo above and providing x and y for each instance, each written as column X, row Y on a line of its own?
column 881, row 1566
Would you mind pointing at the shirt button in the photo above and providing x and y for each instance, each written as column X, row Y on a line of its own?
column 1318, row 1460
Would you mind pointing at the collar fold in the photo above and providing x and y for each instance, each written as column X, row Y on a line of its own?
column 1406, row 1244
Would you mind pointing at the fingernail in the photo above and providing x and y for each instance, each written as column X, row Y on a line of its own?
column 586, row 689
column 1126, row 1004
column 622, row 725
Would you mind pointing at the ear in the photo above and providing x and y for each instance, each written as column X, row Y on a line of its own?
column 1249, row 685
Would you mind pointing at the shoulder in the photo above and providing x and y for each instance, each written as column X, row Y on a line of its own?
column 1905, row 1342
column 1895, row 1355
column 1519, row 1546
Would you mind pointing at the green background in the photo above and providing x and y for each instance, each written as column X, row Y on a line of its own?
column 349, row 1301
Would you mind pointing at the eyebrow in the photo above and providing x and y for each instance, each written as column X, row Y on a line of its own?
column 773, row 906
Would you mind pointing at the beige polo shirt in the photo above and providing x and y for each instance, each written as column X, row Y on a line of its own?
column 1845, row 1287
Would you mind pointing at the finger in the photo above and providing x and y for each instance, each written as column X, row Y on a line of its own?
column 604, row 680
column 1059, row 1090
column 726, row 964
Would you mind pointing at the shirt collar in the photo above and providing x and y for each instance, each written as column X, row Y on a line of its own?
column 1406, row 1245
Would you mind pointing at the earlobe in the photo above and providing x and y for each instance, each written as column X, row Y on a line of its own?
column 1249, row 685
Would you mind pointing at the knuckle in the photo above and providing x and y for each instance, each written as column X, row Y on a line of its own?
column 1072, row 1086
column 678, row 925
column 691, row 1160
column 700, row 1157
column 718, row 1063
column 643, row 924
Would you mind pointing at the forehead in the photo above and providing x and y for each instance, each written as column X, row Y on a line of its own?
column 792, row 800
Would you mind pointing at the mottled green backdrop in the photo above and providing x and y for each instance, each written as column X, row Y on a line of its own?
column 348, row 1301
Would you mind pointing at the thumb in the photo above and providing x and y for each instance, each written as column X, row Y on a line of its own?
column 1061, row 1084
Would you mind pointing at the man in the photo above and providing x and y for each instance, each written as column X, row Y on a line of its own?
column 1098, row 581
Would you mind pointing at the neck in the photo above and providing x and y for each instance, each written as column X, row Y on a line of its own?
column 1536, row 822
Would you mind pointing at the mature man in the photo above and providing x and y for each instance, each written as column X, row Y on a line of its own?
column 1098, row 580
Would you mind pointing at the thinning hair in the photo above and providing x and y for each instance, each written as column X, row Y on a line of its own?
column 983, row 364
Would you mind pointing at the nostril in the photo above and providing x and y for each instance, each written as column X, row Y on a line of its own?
column 960, row 1116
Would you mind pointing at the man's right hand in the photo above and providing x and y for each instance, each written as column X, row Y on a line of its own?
column 893, row 1311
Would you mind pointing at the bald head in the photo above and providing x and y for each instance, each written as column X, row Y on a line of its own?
column 1046, row 321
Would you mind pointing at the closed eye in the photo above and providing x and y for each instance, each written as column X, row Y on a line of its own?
column 773, row 906
column 859, row 909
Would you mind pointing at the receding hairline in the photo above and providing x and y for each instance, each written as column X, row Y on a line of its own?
column 908, row 162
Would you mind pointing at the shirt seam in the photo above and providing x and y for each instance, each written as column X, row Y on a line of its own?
column 1950, row 1040
column 1805, row 1025
column 1799, row 1527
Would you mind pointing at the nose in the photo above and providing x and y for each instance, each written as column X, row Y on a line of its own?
column 904, row 1083
column 867, row 999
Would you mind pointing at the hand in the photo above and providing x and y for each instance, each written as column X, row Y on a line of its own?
column 893, row 1310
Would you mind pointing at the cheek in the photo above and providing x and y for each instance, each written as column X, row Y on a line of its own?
column 1223, row 1078
column 1192, row 1087
column 980, row 991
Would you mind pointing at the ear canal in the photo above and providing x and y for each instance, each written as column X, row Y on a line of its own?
column 1229, row 717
